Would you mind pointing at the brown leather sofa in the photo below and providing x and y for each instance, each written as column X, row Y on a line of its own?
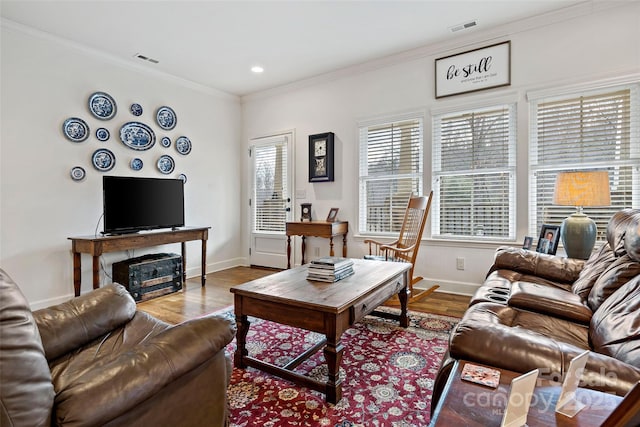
column 539, row 311
column 96, row 360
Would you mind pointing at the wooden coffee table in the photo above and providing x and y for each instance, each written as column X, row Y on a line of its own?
column 290, row 299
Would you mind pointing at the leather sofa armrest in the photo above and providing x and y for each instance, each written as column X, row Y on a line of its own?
column 72, row 324
column 551, row 301
column 550, row 267
column 119, row 384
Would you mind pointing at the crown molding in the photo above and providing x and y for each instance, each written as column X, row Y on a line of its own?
column 470, row 40
column 113, row 59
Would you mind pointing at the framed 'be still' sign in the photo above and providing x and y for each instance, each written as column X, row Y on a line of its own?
column 478, row 69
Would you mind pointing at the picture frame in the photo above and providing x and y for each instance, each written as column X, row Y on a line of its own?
column 321, row 157
column 478, row 69
column 528, row 241
column 333, row 215
column 548, row 240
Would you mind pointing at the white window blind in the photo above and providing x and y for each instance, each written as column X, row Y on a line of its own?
column 594, row 130
column 474, row 173
column 270, row 186
column 390, row 171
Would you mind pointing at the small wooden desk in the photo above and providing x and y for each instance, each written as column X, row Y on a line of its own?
column 474, row 405
column 97, row 245
column 317, row 229
column 288, row 298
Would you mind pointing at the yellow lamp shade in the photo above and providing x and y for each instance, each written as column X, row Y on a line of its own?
column 586, row 188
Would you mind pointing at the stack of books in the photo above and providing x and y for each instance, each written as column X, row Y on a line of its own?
column 330, row 269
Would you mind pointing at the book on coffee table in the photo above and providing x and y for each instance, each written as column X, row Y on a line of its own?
column 330, row 269
column 480, row 375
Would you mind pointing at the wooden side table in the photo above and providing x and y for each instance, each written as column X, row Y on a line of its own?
column 324, row 229
column 469, row 404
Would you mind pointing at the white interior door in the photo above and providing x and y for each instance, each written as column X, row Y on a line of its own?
column 270, row 202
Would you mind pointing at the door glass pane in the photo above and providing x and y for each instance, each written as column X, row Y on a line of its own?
column 270, row 175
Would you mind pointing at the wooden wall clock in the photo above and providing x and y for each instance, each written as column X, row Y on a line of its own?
column 321, row 157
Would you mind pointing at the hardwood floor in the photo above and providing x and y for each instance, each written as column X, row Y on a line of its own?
column 197, row 300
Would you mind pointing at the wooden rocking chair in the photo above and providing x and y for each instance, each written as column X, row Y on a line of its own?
column 405, row 249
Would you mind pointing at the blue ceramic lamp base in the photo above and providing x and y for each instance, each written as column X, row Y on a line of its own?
column 578, row 235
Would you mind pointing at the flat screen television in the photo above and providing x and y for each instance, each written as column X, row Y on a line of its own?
column 135, row 204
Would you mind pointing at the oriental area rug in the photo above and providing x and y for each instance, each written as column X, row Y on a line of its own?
column 388, row 374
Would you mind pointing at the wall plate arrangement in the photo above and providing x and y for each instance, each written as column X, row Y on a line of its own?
column 75, row 129
column 136, row 164
column 102, row 106
column 78, row 173
column 183, row 145
column 165, row 141
column 102, row 134
column 103, row 160
column 136, row 109
column 166, row 118
column 166, row 164
column 137, row 136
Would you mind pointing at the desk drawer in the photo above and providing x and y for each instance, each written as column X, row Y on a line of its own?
column 374, row 300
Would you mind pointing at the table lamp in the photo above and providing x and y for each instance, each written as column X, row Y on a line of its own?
column 579, row 189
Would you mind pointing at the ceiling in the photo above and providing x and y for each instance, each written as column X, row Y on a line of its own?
column 215, row 43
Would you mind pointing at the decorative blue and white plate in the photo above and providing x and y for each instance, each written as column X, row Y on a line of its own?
column 75, row 129
column 102, row 106
column 183, row 145
column 102, row 134
column 165, row 141
column 136, row 164
column 78, row 173
column 183, row 177
column 165, row 164
column 166, row 118
column 103, row 160
column 136, row 109
column 137, row 136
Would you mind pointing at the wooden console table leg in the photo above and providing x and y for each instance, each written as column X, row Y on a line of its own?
column 77, row 273
column 304, row 248
column 204, row 262
column 96, row 271
column 183, row 249
column 331, row 246
column 288, row 252
column 344, row 245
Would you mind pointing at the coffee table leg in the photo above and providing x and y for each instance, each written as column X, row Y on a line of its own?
column 242, row 323
column 403, row 296
column 333, row 355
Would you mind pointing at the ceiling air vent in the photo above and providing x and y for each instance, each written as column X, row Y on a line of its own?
column 146, row 58
column 464, row 26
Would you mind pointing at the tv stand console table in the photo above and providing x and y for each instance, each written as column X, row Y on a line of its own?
column 97, row 245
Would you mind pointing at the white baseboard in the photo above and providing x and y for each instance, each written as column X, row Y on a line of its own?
column 458, row 288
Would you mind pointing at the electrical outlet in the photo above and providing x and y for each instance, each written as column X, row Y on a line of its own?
column 460, row 263
column 316, row 252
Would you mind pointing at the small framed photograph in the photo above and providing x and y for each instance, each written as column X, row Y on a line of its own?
column 333, row 215
column 528, row 241
column 548, row 240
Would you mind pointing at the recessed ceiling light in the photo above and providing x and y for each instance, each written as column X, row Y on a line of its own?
column 257, row 69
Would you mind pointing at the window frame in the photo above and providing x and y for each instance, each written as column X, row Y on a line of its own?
column 511, row 104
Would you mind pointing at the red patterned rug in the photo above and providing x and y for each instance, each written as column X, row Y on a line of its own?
column 387, row 372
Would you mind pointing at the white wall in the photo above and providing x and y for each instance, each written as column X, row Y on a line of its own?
column 46, row 80
column 589, row 45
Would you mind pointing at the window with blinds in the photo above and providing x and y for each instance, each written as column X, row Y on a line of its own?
column 390, row 171
column 596, row 130
column 270, row 187
column 474, row 173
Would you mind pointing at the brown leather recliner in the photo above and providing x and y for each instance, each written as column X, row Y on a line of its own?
column 540, row 311
column 95, row 360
